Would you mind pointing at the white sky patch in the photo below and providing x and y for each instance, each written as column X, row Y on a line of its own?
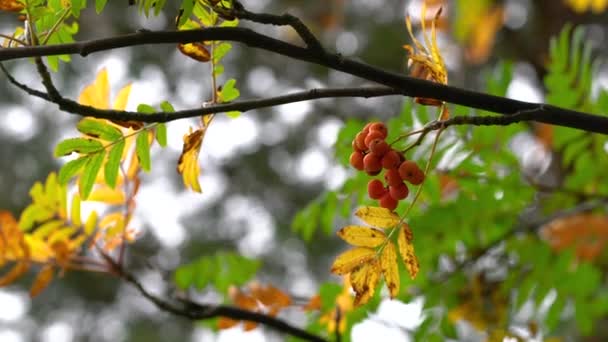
column 335, row 177
column 312, row 165
column 522, row 89
column 161, row 207
column 258, row 231
column 58, row 332
column 13, row 306
column 18, row 123
column 347, row 43
column 238, row 334
column 260, row 80
column 274, row 133
column 391, row 317
column 293, row 113
column 225, row 136
column 150, row 89
column 328, row 132
column 190, row 93
column 116, row 65
column 9, row 335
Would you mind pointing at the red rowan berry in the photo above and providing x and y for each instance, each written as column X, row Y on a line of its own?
column 379, row 147
column 409, row 171
column 355, row 147
column 371, row 164
column 375, row 189
column 391, row 160
column 356, row 160
column 392, row 177
column 399, row 191
column 388, row 202
column 379, row 127
column 366, row 128
column 371, row 136
column 360, row 141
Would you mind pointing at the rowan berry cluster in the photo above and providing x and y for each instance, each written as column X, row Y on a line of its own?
column 371, row 153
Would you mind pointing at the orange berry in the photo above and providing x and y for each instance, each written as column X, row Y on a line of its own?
column 379, row 147
column 391, row 160
column 379, row 127
column 392, row 177
column 371, row 164
column 360, row 141
column 371, row 136
column 356, row 160
column 366, row 128
column 388, row 202
column 375, row 189
column 409, row 171
column 355, row 147
column 399, row 191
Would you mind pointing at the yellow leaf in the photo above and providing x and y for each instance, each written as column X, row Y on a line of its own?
column 43, row 279
column 89, row 226
column 390, row 269
column 364, row 280
column 17, row 271
column 97, row 94
column 378, row 217
column 188, row 165
column 196, row 51
column 107, row 195
column 45, row 229
column 362, row 236
column 39, row 249
column 351, row 259
column 406, row 248
column 75, row 210
column 121, row 100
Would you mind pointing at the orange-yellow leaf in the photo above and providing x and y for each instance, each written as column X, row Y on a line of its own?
column 188, row 165
column 226, row 323
column 390, row 269
column 378, row 217
column 406, row 248
column 107, row 195
column 270, row 295
column 196, row 51
column 364, row 280
column 17, row 271
column 362, row 236
column 97, row 94
column 351, row 259
column 43, row 279
column 313, row 304
column 11, row 5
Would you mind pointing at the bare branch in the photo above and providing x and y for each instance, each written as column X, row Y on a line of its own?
column 406, row 85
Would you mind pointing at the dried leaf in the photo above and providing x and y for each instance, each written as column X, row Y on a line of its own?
column 43, row 279
column 17, row 271
column 188, row 165
column 313, row 304
column 390, row 269
column 406, row 249
column 351, row 259
column 362, row 236
column 364, row 280
column 196, row 51
column 378, row 217
column 11, row 5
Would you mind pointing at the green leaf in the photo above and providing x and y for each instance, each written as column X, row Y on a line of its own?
column 220, row 50
column 71, row 168
column 183, row 277
column 328, row 293
column 233, row 114
column 34, row 214
column 229, row 92
column 99, row 129
column 91, row 169
column 99, row 5
column 142, row 149
column 78, row 145
column 113, row 163
column 144, row 108
column 186, row 11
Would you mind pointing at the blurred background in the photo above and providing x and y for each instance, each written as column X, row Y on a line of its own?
column 257, row 170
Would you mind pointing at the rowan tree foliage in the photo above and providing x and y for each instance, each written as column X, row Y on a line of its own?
column 489, row 210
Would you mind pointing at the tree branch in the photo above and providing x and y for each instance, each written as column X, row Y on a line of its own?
column 408, row 86
column 196, row 311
